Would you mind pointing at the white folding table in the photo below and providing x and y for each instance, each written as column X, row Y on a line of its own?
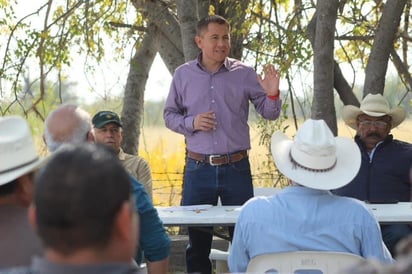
column 207, row 215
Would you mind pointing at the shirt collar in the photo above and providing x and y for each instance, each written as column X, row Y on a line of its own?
column 385, row 141
column 42, row 265
column 305, row 190
column 225, row 66
column 121, row 154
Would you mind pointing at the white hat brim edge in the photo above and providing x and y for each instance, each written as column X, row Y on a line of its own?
column 346, row 168
column 350, row 113
column 10, row 176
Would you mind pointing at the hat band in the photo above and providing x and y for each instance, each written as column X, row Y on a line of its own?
column 311, row 169
column 18, row 167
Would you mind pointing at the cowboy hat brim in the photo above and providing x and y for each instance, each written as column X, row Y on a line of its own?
column 7, row 177
column 347, row 164
column 350, row 115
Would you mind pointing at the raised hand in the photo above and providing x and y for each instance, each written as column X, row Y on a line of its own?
column 270, row 80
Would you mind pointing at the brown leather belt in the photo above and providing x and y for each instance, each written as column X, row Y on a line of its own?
column 218, row 159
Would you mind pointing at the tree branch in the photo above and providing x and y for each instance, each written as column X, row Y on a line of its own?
column 128, row 26
column 382, row 46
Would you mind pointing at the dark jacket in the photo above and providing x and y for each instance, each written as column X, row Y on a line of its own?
column 385, row 178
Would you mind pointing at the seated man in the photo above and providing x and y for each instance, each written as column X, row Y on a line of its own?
column 384, row 173
column 305, row 215
column 18, row 161
column 108, row 130
column 83, row 211
column 70, row 124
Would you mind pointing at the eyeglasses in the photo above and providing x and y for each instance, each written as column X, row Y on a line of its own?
column 112, row 130
column 378, row 124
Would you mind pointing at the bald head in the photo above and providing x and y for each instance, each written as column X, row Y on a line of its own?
column 68, row 124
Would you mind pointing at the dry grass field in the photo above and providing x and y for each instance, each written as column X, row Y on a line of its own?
column 164, row 151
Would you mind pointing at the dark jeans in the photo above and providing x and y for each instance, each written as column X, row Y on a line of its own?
column 393, row 233
column 203, row 184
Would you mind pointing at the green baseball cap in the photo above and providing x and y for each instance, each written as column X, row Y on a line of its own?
column 105, row 117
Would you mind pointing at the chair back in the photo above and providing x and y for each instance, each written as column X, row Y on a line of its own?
column 303, row 262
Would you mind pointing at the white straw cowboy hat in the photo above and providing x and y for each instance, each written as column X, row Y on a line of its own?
column 315, row 158
column 17, row 151
column 374, row 105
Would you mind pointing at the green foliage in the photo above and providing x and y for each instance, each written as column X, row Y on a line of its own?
column 272, row 32
column 276, row 34
column 356, row 28
column 69, row 28
column 267, row 128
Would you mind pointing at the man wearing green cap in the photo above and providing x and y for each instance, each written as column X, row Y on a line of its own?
column 70, row 124
column 109, row 131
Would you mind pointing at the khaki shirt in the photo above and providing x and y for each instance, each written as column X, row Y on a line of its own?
column 139, row 168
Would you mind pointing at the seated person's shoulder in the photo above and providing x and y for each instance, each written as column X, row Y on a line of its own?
column 256, row 204
column 350, row 202
column 354, row 205
column 402, row 144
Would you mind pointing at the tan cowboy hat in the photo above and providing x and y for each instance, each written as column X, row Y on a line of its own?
column 17, row 151
column 374, row 105
column 315, row 158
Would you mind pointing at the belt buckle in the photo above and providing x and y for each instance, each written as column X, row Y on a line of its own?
column 211, row 159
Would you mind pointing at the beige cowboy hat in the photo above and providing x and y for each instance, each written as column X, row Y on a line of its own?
column 315, row 158
column 17, row 151
column 374, row 105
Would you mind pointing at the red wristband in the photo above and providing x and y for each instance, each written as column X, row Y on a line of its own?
column 274, row 97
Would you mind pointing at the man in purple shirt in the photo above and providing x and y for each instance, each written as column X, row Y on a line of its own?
column 208, row 103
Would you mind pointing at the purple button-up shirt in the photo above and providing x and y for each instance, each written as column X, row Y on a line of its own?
column 227, row 92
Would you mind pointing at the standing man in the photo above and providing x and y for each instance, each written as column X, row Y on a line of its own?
column 108, row 130
column 70, row 124
column 208, row 103
column 18, row 161
column 384, row 173
column 83, row 210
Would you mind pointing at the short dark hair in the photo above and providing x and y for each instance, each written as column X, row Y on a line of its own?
column 8, row 188
column 204, row 23
column 77, row 196
column 11, row 187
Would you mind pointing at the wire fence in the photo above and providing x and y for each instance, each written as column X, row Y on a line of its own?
column 167, row 187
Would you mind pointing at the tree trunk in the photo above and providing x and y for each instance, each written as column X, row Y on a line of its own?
column 323, row 102
column 339, row 82
column 169, row 39
column 133, row 102
column 402, row 69
column 382, row 46
column 235, row 12
column 188, row 19
column 171, row 56
column 342, row 87
column 203, row 8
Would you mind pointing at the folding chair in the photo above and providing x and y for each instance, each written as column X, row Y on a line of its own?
column 326, row 262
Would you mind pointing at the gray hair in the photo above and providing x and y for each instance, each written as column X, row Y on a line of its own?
column 79, row 127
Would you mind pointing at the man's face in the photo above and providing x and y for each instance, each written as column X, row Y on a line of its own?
column 214, row 43
column 372, row 130
column 111, row 134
